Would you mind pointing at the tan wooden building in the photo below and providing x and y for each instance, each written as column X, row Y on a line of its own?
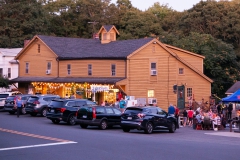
column 100, row 69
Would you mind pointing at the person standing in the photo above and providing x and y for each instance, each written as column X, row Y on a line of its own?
column 122, row 104
column 18, row 104
column 185, row 116
column 171, row 110
column 190, row 117
column 116, row 103
column 230, row 108
column 177, row 115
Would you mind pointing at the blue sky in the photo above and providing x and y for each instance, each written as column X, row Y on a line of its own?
column 179, row 5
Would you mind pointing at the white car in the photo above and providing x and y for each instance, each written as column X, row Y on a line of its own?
column 4, row 95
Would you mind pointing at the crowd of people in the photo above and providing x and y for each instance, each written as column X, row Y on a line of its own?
column 217, row 115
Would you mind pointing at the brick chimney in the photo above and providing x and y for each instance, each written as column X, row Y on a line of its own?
column 25, row 43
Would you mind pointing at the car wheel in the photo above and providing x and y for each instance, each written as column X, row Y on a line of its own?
column 33, row 114
column 103, row 125
column 126, row 129
column 23, row 111
column 172, row 128
column 149, row 128
column 71, row 120
column 55, row 121
column 83, row 125
column 44, row 112
column 11, row 112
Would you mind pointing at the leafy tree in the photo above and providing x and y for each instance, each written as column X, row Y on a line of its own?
column 220, row 19
column 4, row 82
column 20, row 20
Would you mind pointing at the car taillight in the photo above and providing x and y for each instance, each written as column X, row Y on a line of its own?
column 141, row 115
column 94, row 113
column 36, row 102
column 77, row 113
column 62, row 110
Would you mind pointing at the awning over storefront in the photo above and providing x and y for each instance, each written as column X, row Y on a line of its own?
column 97, row 80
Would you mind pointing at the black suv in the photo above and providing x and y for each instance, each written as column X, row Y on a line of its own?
column 98, row 116
column 37, row 104
column 65, row 109
column 147, row 118
column 9, row 103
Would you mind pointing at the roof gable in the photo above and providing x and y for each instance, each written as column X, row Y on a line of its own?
column 174, row 55
column 233, row 88
column 108, row 28
column 185, row 51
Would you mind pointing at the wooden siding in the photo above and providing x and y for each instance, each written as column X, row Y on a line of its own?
column 100, row 68
column 195, row 61
column 110, row 36
column 140, row 79
column 37, row 61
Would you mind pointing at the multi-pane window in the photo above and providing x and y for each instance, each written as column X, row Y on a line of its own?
column 89, row 69
column 189, row 92
column 113, row 69
column 39, row 47
column 150, row 93
column 49, row 65
column 1, row 72
column 9, row 73
column 69, row 69
column 104, row 36
column 181, row 71
column 153, row 66
column 27, row 67
column 112, row 36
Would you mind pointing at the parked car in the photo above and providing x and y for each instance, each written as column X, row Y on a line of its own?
column 37, row 104
column 65, row 109
column 9, row 103
column 147, row 118
column 4, row 95
column 98, row 116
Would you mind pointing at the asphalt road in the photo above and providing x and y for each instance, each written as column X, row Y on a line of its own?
column 36, row 138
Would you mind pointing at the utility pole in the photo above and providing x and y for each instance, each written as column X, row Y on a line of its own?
column 94, row 34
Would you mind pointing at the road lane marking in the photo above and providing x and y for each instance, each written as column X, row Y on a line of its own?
column 34, row 135
column 38, row 145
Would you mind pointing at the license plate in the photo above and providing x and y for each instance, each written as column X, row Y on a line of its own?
column 52, row 110
column 84, row 116
column 129, row 118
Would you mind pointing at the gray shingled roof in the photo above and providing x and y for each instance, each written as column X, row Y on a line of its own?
column 233, row 88
column 78, row 48
column 108, row 27
column 99, row 80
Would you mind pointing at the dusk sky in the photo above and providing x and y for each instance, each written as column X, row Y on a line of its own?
column 178, row 5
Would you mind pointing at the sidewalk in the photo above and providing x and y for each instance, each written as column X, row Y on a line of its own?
column 226, row 134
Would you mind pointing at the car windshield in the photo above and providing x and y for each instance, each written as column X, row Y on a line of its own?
column 4, row 95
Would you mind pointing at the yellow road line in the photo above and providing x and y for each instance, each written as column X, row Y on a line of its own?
column 34, row 135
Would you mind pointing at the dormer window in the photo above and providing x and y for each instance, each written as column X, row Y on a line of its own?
column 104, row 36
